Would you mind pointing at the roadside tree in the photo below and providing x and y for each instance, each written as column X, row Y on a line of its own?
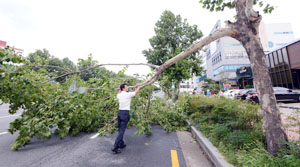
column 172, row 36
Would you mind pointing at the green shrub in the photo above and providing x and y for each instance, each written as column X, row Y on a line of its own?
column 239, row 138
column 235, row 128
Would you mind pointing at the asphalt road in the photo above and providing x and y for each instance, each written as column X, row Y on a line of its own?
column 85, row 151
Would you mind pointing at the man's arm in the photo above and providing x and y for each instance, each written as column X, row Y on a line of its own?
column 137, row 88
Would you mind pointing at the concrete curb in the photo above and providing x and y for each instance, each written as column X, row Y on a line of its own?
column 295, row 108
column 216, row 157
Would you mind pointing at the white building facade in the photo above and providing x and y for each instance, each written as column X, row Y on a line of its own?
column 189, row 85
column 226, row 54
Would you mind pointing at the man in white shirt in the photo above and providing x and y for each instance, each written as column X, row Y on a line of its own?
column 124, row 98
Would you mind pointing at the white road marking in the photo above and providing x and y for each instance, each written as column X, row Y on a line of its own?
column 3, row 133
column 94, row 136
column 10, row 116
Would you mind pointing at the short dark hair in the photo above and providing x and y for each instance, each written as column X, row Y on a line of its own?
column 122, row 86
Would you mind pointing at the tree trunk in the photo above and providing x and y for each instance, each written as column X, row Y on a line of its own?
column 249, row 36
column 271, row 115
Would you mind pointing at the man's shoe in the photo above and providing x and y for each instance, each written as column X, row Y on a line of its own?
column 116, row 150
column 123, row 146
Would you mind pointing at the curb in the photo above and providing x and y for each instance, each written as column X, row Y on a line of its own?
column 216, row 157
column 295, row 108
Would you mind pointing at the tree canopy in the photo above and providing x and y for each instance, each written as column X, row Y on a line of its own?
column 172, row 36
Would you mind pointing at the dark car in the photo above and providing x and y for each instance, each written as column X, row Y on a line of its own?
column 281, row 94
column 244, row 93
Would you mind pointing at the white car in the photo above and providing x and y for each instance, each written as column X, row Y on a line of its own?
column 232, row 94
column 227, row 93
column 236, row 93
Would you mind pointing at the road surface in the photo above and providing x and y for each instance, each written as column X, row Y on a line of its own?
column 85, row 150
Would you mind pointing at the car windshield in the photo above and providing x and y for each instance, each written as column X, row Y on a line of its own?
column 244, row 91
column 252, row 91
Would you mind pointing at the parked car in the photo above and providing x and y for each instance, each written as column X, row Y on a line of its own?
column 233, row 93
column 281, row 94
column 244, row 93
column 253, row 97
column 227, row 93
column 237, row 92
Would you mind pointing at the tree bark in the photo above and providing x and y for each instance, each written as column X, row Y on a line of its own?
column 248, row 27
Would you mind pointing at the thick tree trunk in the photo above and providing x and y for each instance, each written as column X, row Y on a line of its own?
column 249, row 36
column 271, row 115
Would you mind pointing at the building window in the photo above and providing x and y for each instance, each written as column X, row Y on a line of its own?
column 275, row 59
column 279, row 57
column 271, row 60
column 227, row 68
column 267, row 60
column 217, row 58
column 285, row 55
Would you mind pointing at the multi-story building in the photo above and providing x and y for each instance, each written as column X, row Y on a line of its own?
column 284, row 66
column 16, row 50
column 226, row 54
column 189, row 85
column 193, row 84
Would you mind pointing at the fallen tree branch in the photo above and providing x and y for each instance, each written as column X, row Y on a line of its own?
column 51, row 66
column 195, row 47
column 98, row 100
column 149, row 101
column 99, row 65
column 92, row 89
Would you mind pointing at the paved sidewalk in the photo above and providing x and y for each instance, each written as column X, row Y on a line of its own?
column 193, row 154
column 290, row 110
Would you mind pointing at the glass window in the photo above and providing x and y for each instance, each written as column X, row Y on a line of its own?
column 267, row 61
column 280, row 60
column 285, row 55
column 283, row 77
column 289, row 78
column 274, row 79
column 275, row 58
column 271, row 60
column 271, row 77
column 279, row 80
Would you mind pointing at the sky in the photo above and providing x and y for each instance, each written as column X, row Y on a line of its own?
column 113, row 31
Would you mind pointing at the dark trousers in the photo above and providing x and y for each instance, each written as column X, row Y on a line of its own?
column 123, row 118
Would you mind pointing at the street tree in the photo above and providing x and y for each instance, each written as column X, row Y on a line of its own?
column 43, row 59
column 246, row 30
column 172, row 36
column 44, row 54
column 97, row 72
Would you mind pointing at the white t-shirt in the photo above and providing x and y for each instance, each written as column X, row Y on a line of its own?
column 125, row 99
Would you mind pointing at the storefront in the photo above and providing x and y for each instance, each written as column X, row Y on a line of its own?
column 284, row 65
column 244, row 76
column 284, row 68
